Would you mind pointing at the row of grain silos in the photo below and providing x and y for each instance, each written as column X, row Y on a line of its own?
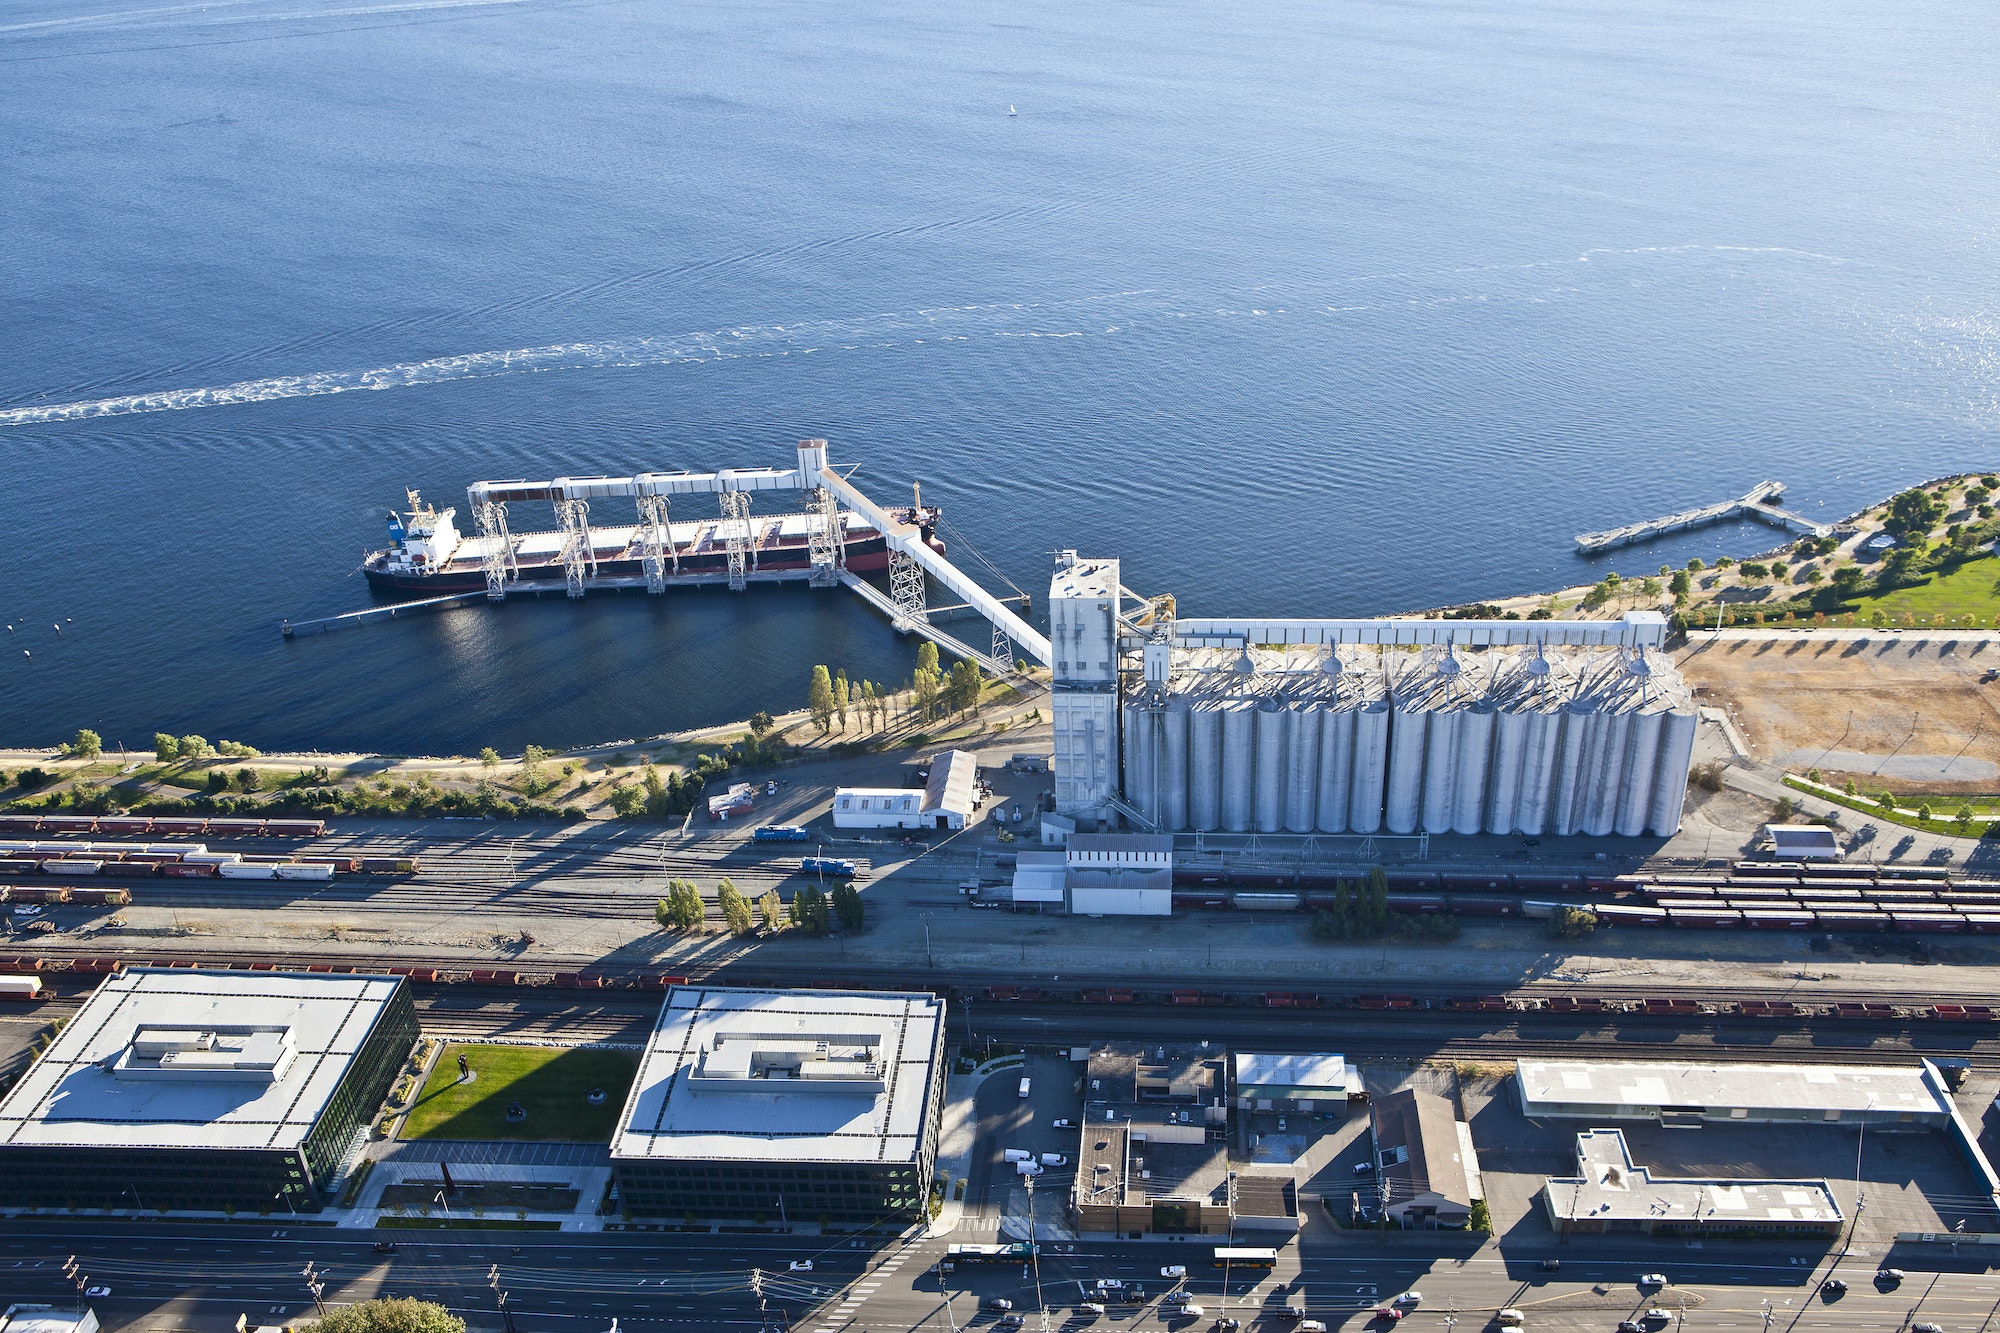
column 1370, row 740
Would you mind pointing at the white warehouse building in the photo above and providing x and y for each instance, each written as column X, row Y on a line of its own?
column 945, row 801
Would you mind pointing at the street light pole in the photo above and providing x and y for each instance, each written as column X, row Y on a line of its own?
column 493, row 1280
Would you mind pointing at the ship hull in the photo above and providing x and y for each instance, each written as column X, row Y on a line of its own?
column 869, row 555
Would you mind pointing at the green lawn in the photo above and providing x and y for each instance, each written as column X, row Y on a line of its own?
column 551, row 1084
column 1966, row 591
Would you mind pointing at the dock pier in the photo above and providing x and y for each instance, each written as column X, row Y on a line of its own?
column 1754, row 503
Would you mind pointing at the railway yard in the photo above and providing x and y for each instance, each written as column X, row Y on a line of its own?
column 546, row 935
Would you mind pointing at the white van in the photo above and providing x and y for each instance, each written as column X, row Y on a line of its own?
column 1024, row 1087
column 1018, row 1155
column 1054, row 1159
column 1510, row 1319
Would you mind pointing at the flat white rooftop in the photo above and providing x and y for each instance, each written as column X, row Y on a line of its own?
column 1330, row 1072
column 281, row 1043
column 1610, row 1187
column 808, row 1076
column 1590, row 1087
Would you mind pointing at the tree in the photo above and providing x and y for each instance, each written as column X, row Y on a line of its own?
column 925, row 688
column 400, row 1314
column 248, row 779
column 684, row 899
column 1913, row 513
column 735, row 908
column 1570, row 923
column 772, row 909
column 1679, row 585
column 627, row 800
column 194, row 747
column 847, row 906
column 761, row 722
column 1782, row 808
column 489, row 758
column 962, row 687
column 927, row 657
column 809, row 911
column 1378, row 894
column 819, row 699
column 166, row 748
column 87, row 745
column 1847, row 580
column 1480, row 1218
column 840, row 697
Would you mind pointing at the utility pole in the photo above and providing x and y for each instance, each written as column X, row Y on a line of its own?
column 493, row 1280
column 316, row 1284
column 75, row 1273
column 1035, row 1256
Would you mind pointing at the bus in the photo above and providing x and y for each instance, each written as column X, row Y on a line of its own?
column 1240, row 1258
column 1018, row 1253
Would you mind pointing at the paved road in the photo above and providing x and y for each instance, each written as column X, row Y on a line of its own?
column 200, row 1279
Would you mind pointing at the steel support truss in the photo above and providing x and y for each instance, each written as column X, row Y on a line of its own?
column 736, row 532
column 906, row 586
column 579, row 555
column 656, row 542
column 498, row 560
column 826, row 538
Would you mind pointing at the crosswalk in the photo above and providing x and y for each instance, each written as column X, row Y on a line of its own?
column 857, row 1295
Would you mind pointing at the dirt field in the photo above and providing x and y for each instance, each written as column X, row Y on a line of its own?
column 1914, row 717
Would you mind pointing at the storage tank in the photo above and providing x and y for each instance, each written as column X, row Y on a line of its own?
column 1271, row 766
column 1141, row 766
column 1404, row 791
column 1440, row 768
column 1540, row 762
column 1475, row 755
column 1239, row 759
column 1336, row 763
column 1205, row 767
column 1510, row 752
column 1302, row 726
column 1671, row 774
column 1642, row 758
column 1173, row 765
column 1370, row 767
column 1607, row 771
column 1570, row 790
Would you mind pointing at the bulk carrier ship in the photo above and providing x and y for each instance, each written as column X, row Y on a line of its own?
column 429, row 557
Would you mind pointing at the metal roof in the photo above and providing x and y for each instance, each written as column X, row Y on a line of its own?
column 671, row 1115
column 74, row 1097
column 954, row 775
column 1609, row 1187
column 1552, row 1087
column 1331, row 1072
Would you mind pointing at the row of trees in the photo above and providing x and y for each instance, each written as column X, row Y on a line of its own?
column 168, row 749
column 933, row 692
column 811, row 910
column 1361, row 911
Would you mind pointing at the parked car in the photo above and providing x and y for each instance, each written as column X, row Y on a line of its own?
column 1630, row 1326
column 801, row 1265
column 1311, row 1326
column 1228, row 1325
column 26, row 909
column 1281, row 1124
column 1062, row 1124
column 1174, row 1271
column 1926, row 1328
column 1177, row 1298
column 1364, row 1168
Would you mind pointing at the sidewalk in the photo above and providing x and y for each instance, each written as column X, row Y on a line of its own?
column 957, row 1137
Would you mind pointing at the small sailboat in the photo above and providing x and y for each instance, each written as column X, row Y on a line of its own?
column 1011, row 111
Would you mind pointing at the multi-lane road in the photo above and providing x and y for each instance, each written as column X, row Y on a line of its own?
column 192, row 1277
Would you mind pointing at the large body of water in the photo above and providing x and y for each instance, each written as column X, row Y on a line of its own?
column 1298, row 308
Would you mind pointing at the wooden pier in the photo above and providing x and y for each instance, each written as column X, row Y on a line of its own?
column 1754, row 503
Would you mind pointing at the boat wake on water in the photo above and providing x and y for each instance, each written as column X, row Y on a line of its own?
column 1026, row 319
column 1078, row 317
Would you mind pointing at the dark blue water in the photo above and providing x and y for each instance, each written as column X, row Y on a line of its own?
column 1304, row 309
